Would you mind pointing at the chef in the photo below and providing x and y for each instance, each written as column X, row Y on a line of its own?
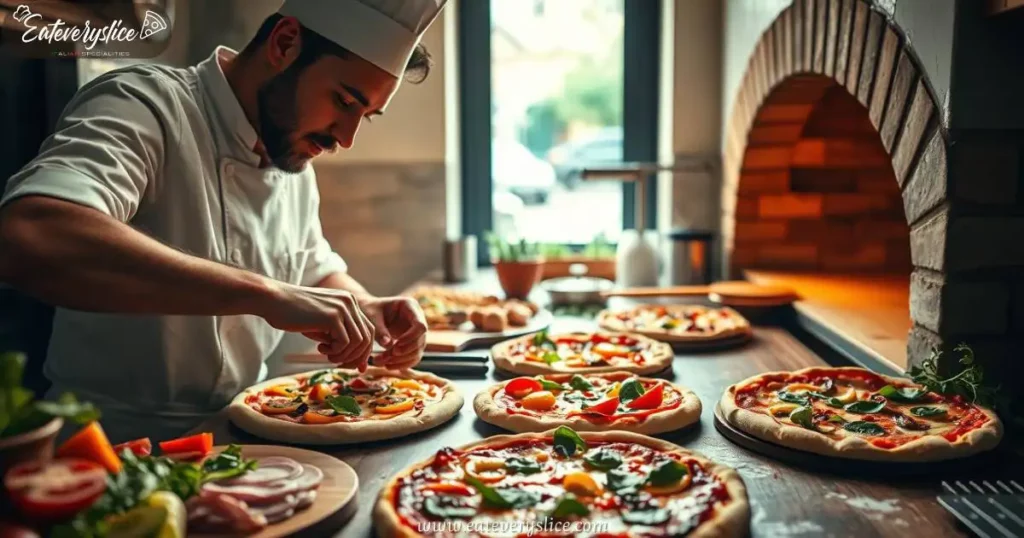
column 173, row 217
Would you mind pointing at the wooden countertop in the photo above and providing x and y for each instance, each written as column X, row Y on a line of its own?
column 785, row 500
column 871, row 312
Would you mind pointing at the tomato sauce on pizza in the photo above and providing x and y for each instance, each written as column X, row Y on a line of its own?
column 598, row 398
column 578, row 350
column 845, row 402
column 332, row 396
column 621, row 488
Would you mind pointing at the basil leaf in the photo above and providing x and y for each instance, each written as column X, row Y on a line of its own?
column 816, row 395
column 803, row 416
column 569, row 506
column 834, row 402
column 567, row 442
column 229, row 463
column 864, row 427
column 542, row 340
column 603, row 458
column 865, row 407
column 579, row 397
column 905, row 395
column 319, row 376
column 551, row 357
column 646, row 517
column 790, row 397
column 345, row 405
column 522, row 466
column 669, row 472
column 67, row 406
column 922, row 411
column 448, row 506
column 579, row 382
column 622, row 481
column 549, row 385
column 503, row 497
column 630, row 390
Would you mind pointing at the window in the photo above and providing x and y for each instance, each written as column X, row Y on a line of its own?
column 547, row 87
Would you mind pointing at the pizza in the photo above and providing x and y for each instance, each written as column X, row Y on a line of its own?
column 588, row 402
column 582, row 352
column 677, row 323
column 855, row 413
column 564, row 483
column 450, row 309
column 339, row 406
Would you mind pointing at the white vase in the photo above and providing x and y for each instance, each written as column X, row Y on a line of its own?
column 637, row 262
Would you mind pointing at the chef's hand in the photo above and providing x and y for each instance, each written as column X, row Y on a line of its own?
column 331, row 317
column 400, row 328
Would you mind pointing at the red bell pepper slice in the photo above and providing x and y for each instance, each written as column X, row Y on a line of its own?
column 606, row 407
column 194, row 446
column 139, row 447
column 521, row 386
column 650, row 399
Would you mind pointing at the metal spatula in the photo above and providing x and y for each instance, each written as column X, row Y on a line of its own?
column 989, row 509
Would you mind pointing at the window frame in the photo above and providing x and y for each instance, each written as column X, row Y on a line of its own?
column 641, row 63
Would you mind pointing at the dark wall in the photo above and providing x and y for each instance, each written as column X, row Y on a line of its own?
column 32, row 95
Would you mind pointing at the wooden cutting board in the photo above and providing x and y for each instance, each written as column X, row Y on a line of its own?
column 452, row 341
column 735, row 292
column 337, row 490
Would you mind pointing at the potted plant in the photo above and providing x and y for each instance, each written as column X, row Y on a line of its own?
column 28, row 427
column 519, row 265
column 598, row 256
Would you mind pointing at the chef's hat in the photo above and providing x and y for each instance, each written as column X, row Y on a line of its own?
column 382, row 32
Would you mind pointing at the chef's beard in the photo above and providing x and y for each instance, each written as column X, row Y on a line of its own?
column 278, row 119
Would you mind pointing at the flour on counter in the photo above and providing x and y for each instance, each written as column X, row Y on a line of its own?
column 875, row 508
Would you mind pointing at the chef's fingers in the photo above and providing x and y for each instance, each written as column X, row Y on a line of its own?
column 354, row 328
column 322, row 337
column 342, row 343
column 404, row 363
column 404, row 347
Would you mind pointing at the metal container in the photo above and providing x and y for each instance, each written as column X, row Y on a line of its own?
column 460, row 259
column 577, row 289
column 690, row 257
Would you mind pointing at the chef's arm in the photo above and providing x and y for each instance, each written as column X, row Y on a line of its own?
column 345, row 282
column 80, row 258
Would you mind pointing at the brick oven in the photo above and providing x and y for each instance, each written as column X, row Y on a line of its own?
column 845, row 172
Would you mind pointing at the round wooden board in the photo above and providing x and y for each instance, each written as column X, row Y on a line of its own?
column 837, row 465
column 338, row 489
column 450, row 341
column 715, row 344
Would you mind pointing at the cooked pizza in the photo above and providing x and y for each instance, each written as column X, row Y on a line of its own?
column 564, row 483
column 338, row 406
column 581, row 352
column 451, row 309
column 588, row 402
column 856, row 413
column 677, row 323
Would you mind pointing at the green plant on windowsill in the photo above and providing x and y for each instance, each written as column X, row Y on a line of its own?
column 599, row 247
column 503, row 250
column 519, row 264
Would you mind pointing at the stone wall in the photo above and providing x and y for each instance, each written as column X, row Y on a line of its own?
column 386, row 219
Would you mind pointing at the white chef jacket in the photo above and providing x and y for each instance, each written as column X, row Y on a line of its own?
column 170, row 152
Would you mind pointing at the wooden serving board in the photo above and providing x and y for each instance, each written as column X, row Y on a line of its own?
column 737, row 292
column 337, row 490
column 841, row 466
column 452, row 341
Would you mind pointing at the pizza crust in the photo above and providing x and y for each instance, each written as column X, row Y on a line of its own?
column 929, row 448
column 409, row 422
column 661, row 358
column 732, row 519
column 607, row 320
column 686, row 414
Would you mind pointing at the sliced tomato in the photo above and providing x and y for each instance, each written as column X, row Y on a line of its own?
column 522, row 386
column 139, row 447
column 322, row 416
column 650, row 399
column 198, row 445
column 450, row 488
column 598, row 338
column 56, row 490
column 91, row 443
column 604, row 407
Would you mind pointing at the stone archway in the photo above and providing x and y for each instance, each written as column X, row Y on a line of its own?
column 816, row 48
